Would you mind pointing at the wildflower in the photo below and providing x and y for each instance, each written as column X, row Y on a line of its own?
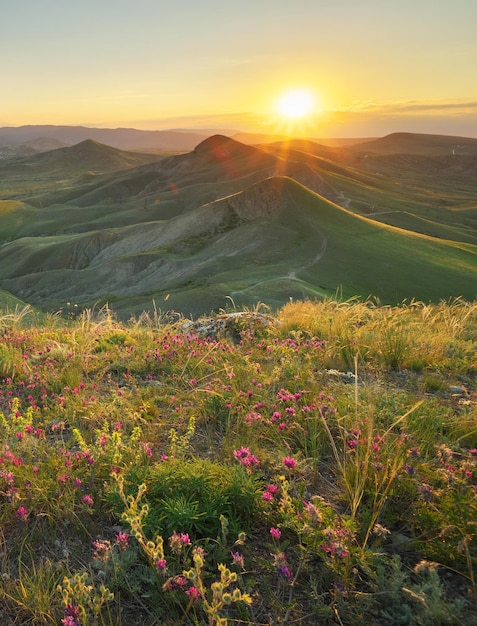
column 473, row 451
column 101, row 549
column 22, row 513
column 87, row 499
column 281, row 565
column 284, row 571
column 289, row 462
column 313, row 513
column 122, row 540
column 241, row 453
column 250, row 461
column 147, row 448
column 245, row 457
column 272, row 489
column 352, row 444
column 238, row 559
column 425, row 492
column 161, row 565
column 409, row 469
column 193, row 593
column 72, row 616
column 334, row 549
column 267, row 496
column 178, row 582
column 177, row 541
column 276, row 533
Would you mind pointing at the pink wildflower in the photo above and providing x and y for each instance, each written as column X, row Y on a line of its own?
column 87, row 499
column 122, row 540
column 289, row 462
column 238, row 559
column 161, row 565
column 276, row 533
column 22, row 513
column 193, row 593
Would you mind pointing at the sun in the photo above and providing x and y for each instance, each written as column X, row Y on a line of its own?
column 295, row 104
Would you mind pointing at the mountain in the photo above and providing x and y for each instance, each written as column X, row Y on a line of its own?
column 83, row 157
column 121, row 138
column 90, row 225
column 414, row 143
column 23, row 140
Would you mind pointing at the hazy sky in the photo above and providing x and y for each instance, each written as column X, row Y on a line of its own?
column 372, row 66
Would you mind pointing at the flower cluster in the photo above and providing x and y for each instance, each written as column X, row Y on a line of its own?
column 245, row 457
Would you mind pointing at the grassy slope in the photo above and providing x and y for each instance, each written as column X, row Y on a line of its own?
column 169, row 251
column 302, row 238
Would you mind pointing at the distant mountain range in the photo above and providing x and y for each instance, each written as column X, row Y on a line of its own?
column 26, row 140
column 90, row 224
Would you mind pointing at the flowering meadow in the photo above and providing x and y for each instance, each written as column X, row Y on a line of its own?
column 317, row 465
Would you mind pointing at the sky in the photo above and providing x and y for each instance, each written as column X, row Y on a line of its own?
column 371, row 67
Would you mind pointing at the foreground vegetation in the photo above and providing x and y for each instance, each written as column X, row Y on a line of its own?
column 317, row 466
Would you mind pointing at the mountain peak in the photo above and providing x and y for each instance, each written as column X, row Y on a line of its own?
column 217, row 145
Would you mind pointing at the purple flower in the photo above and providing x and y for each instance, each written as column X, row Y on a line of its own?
column 284, row 570
column 238, row 559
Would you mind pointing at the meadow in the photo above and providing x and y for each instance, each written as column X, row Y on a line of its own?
column 314, row 465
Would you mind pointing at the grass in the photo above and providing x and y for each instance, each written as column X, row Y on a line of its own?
column 320, row 468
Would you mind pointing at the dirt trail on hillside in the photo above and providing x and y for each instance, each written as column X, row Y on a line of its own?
column 292, row 274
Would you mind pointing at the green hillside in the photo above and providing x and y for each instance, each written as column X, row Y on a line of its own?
column 229, row 221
